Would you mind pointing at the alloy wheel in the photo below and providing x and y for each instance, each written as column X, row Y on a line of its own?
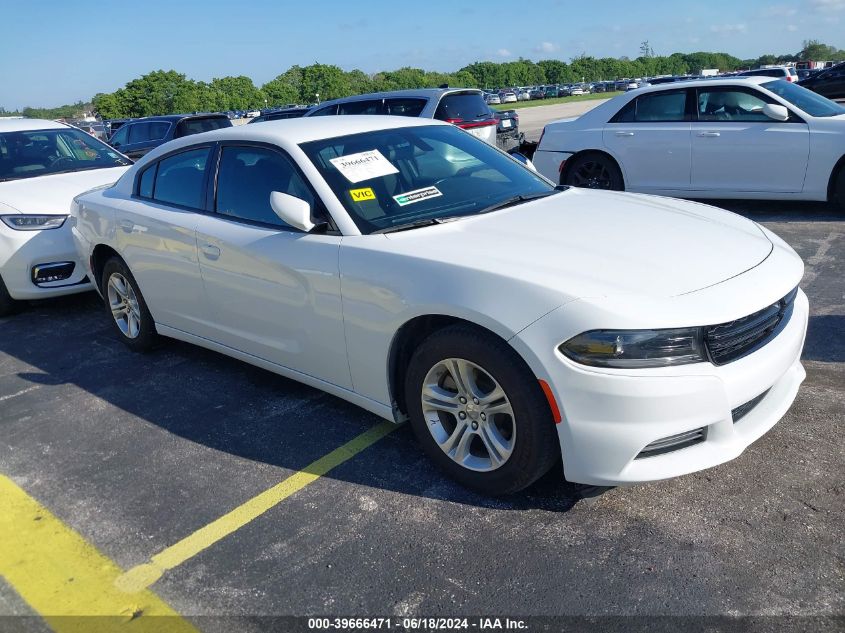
column 468, row 414
column 124, row 305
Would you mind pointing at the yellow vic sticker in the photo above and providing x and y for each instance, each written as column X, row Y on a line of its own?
column 359, row 195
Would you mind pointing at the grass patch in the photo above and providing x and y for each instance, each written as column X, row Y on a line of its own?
column 541, row 102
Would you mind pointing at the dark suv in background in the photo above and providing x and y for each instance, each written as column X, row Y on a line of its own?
column 829, row 83
column 136, row 137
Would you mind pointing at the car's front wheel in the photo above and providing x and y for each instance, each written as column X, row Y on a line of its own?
column 838, row 197
column 7, row 304
column 478, row 412
column 594, row 171
column 126, row 307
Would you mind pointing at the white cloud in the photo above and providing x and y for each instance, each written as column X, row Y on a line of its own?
column 778, row 11
column 828, row 6
column 728, row 29
column 546, row 47
column 791, row 27
column 503, row 52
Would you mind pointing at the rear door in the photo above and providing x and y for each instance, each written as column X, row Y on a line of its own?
column 155, row 233
column 737, row 148
column 650, row 137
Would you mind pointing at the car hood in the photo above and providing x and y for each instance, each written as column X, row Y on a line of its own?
column 587, row 243
column 52, row 194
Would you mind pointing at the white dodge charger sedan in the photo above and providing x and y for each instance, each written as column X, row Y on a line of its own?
column 740, row 137
column 43, row 165
column 418, row 272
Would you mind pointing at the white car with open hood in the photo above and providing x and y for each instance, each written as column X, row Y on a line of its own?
column 407, row 267
column 43, row 165
column 738, row 137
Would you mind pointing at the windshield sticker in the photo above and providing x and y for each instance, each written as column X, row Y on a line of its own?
column 417, row 195
column 363, row 166
column 360, row 195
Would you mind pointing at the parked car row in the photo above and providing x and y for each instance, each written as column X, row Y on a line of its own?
column 368, row 256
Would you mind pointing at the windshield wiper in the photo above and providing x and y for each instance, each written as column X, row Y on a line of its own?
column 509, row 202
column 417, row 224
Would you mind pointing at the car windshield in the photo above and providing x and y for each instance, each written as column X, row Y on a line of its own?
column 807, row 100
column 31, row 153
column 395, row 178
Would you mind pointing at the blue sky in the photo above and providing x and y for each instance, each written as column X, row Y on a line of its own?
column 59, row 52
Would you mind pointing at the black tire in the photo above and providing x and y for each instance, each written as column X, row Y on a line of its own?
column 7, row 304
column 535, row 443
column 593, row 170
column 837, row 196
column 144, row 336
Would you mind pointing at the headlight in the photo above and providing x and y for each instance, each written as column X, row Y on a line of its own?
column 33, row 222
column 636, row 348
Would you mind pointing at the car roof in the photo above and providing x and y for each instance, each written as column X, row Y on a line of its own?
column 424, row 93
column 286, row 132
column 178, row 117
column 26, row 125
column 726, row 81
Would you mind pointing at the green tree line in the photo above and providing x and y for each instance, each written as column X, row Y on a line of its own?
column 164, row 92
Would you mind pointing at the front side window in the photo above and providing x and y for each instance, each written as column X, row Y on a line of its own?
column 656, row 107
column 32, row 153
column 180, row 178
column 120, row 136
column 246, row 178
column 731, row 105
column 389, row 179
column 327, row 111
column 139, row 133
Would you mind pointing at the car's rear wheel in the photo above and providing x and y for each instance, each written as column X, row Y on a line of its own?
column 126, row 307
column 7, row 304
column 478, row 412
column 594, row 171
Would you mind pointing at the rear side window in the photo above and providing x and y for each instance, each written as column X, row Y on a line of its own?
column 158, row 130
column 246, row 178
column 404, row 107
column 656, row 107
column 197, row 126
column 139, row 132
column 462, row 106
column 332, row 109
column 147, row 181
column 372, row 106
column 179, row 179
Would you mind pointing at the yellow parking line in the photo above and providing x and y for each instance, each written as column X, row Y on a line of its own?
column 144, row 575
column 65, row 579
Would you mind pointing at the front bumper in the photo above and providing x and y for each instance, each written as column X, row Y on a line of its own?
column 610, row 416
column 21, row 251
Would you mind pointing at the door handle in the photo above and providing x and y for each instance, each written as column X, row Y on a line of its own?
column 127, row 225
column 624, row 134
column 210, row 251
column 709, row 134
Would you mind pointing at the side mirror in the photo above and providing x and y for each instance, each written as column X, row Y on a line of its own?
column 293, row 211
column 776, row 112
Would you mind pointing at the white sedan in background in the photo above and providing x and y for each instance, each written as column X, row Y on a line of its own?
column 43, row 165
column 418, row 272
column 753, row 137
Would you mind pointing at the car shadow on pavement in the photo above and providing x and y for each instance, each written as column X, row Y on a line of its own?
column 825, row 341
column 212, row 400
column 781, row 210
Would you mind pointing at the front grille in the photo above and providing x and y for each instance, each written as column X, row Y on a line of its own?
column 745, row 408
column 728, row 342
column 674, row 442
